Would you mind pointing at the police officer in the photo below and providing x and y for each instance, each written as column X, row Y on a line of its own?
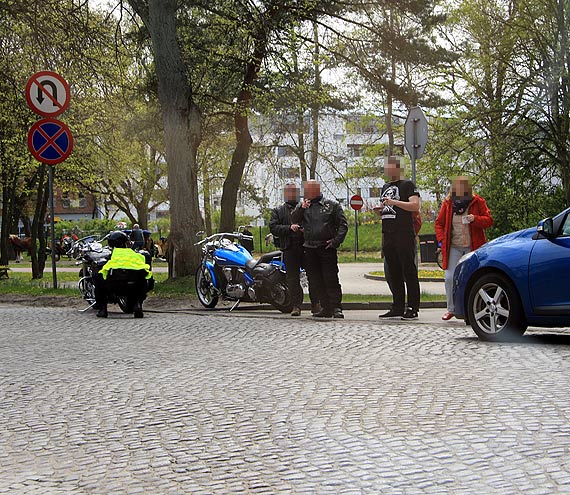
column 324, row 228
column 123, row 258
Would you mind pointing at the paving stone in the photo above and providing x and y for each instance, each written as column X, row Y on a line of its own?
column 210, row 404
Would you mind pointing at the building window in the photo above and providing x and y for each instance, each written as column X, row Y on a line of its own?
column 355, row 150
column 362, row 124
column 65, row 202
column 82, row 200
column 283, row 151
column 374, row 192
column 290, row 173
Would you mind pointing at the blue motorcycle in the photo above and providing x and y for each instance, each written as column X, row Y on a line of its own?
column 228, row 271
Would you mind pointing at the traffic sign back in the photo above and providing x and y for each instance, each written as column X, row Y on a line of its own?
column 416, row 132
column 47, row 93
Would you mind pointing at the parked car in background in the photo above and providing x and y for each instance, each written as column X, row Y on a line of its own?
column 517, row 280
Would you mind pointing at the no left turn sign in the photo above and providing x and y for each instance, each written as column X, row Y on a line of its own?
column 47, row 93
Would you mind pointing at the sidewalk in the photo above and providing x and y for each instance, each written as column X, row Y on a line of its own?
column 352, row 280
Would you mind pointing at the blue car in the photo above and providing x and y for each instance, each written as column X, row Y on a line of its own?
column 516, row 280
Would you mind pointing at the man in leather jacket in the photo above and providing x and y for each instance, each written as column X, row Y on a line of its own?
column 291, row 243
column 324, row 227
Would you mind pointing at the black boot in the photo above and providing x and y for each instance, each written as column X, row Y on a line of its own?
column 102, row 313
column 137, row 310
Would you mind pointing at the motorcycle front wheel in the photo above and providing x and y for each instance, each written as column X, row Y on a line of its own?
column 87, row 289
column 207, row 293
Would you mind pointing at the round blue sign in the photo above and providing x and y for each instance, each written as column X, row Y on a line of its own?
column 50, row 141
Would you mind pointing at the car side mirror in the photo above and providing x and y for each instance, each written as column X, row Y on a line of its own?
column 546, row 228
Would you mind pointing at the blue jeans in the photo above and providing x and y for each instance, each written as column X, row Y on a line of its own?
column 452, row 260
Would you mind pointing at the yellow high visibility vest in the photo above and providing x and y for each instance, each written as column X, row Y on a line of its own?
column 127, row 259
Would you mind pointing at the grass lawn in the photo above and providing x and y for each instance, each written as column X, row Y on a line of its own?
column 21, row 283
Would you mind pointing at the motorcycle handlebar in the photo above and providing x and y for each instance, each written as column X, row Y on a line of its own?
column 230, row 235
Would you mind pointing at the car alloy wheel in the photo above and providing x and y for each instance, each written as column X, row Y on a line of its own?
column 494, row 308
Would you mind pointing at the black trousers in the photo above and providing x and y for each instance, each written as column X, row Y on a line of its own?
column 400, row 254
column 294, row 258
column 322, row 269
column 135, row 292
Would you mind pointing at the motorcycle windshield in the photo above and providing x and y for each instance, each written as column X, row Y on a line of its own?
column 235, row 255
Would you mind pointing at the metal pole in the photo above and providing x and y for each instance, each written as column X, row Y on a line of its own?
column 52, row 225
column 355, row 233
column 260, row 241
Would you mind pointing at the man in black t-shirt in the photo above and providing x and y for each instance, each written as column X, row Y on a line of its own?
column 399, row 199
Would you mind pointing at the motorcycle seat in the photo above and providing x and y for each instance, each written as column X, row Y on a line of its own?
column 267, row 257
column 250, row 264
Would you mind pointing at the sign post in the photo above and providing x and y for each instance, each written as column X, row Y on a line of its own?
column 49, row 140
column 356, row 203
column 416, row 135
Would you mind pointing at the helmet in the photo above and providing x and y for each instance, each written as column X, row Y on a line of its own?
column 118, row 239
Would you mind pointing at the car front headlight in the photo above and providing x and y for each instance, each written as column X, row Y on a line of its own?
column 465, row 257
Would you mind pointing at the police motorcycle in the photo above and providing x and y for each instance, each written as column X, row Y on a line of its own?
column 228, row 271
column 92, row 255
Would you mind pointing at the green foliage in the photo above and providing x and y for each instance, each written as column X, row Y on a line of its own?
column 161, row 227
column 83, row 228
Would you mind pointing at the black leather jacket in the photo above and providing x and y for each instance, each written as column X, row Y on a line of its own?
column 322, row 221
column 280, row 226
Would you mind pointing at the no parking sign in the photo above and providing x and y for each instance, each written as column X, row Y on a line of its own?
column 50, row 141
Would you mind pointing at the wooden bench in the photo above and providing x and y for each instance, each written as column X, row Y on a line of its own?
column 4, row 271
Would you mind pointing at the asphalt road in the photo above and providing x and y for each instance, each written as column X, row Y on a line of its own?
column 196, row 402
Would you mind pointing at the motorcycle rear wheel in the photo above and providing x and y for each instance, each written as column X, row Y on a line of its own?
column 280, row 297
column 207, row 293
column 125, row 305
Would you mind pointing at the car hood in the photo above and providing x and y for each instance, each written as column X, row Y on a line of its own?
column 520, row 235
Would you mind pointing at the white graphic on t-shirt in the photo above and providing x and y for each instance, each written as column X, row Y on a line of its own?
column 391, row 192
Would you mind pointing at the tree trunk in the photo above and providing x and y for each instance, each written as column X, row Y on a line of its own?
column 8, row 214
column 300, row 126
column 301, row 145
column 182, row 132
column 207, row 202
column 142, row 214
column 243, row 137
column 37, row 230
column 389, row 128
column 315, row 110
column 239, row 158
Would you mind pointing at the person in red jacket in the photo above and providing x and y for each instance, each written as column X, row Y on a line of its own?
column 460, row 228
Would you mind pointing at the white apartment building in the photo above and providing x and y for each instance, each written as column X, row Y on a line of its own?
column 351, row 154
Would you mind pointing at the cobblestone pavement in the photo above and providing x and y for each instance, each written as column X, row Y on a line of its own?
column 204, row 404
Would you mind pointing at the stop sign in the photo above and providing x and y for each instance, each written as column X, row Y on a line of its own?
column 356, row 202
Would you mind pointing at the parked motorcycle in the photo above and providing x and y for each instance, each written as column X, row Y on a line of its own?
column 228, row 271
column 92, row 255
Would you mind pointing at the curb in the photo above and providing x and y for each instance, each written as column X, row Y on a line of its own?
column 422, row 279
